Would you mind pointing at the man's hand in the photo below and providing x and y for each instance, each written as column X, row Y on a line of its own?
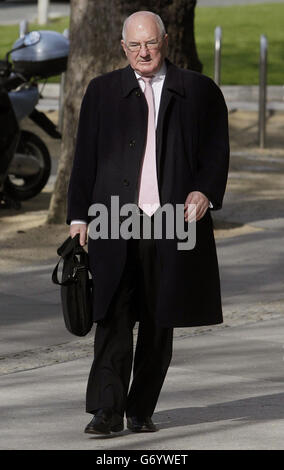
column 202, row 204
column 79, row 228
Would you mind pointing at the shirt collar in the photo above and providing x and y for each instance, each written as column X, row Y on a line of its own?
column 160, row 75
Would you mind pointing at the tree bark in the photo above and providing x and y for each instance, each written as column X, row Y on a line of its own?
column 95, row 33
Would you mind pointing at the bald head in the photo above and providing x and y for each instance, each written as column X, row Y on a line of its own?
column 144, row 42
column 139, row 19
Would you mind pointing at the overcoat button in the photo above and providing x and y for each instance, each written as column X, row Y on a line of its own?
column 132, row 143
column 126, row 182
column 137, row 93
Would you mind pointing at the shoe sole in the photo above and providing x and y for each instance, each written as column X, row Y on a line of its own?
column 96, row 431
column 141, row 430
column 116, row 428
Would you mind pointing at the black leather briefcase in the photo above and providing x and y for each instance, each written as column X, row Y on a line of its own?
column 76, row 286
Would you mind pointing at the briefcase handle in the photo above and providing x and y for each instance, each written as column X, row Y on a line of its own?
column 68, row 246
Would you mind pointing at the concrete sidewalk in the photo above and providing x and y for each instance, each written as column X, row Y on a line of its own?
column 237, row 97
column 224, row 390
column 12, row 12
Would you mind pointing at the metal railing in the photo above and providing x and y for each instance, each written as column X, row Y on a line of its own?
column 23, row 28
column 61, row 93
column 217, row 55
column 262, row 90
column 262, row 101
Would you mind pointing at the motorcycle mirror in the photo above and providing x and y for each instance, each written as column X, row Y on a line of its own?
column 30, row 39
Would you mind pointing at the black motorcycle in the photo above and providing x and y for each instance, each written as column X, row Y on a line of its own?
column 25, row 162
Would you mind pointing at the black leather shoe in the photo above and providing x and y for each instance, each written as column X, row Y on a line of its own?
column 136, row 424
column 105, row 421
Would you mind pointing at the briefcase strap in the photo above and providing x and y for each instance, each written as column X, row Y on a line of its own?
column 70, row 248
column 72, row 277
column 68, row 282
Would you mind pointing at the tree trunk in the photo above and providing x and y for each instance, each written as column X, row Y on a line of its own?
column 95, row 33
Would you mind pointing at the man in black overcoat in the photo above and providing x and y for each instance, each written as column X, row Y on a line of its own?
column 148, row 133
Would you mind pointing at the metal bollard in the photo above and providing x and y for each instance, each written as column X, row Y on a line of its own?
column 217, row 56
column 61, row 93
column 42, row 9
column 23, row 28
column 262, row 90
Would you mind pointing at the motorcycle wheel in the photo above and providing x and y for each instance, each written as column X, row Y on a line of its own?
column 23, row 188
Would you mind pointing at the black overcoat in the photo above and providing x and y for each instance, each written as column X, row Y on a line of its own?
column 192, row 155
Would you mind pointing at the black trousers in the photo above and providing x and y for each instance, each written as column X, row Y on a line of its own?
column 113, row 347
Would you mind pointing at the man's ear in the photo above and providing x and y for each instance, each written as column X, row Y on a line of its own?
column 123, row 46
column 166, row 39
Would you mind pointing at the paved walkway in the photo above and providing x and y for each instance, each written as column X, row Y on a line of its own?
column 237, row 97
column 12, row 12
column 224, row 390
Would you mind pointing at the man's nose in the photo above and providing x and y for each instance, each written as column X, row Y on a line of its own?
column 143, row 50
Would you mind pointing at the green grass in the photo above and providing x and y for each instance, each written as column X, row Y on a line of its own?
column 242, row 27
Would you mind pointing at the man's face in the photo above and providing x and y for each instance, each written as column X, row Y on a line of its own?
column 143, row 31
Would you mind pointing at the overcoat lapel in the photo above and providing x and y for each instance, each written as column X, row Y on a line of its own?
column 173, row 84
column 135, row 106
column 166, row 98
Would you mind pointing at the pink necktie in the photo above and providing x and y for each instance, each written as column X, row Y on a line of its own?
column 148, row 199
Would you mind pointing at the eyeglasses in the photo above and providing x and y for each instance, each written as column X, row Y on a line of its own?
column 150, row 45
